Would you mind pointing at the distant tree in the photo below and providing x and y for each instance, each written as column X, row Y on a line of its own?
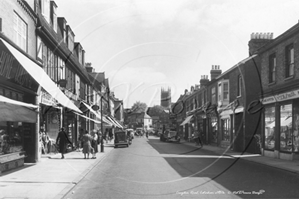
column 139, row 107
column 156, row 110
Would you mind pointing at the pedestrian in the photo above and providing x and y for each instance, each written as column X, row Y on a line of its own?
column 110, row 135
column 94, row 143
column 197, row 138
column 87, row 139
column 62, row 140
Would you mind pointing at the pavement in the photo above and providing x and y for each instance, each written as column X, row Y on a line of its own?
column 53, row 177
column 287, row 165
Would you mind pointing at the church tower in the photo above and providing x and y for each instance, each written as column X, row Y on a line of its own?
column 165, row 98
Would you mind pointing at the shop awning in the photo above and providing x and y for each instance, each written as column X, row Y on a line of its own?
column 111, row 120
column 41, row 77
column 116, row 122
column 92, row 110
column 239, row 109
column 15, row 111
column 187, row 120
column 96, row 121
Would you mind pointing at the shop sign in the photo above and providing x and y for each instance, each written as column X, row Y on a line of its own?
column 281, row 97
column 268, row 100
column 287, row 96
column 47, row 99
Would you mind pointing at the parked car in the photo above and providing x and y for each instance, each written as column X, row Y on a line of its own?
column 139, row 131
column 170, row 136
column 121, row 138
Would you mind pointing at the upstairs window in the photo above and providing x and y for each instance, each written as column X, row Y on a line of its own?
column 226, row 90
column 272, row 68
column 239, row 89
column 45, row 8
column 213, row 95
column 223, row 91
column 290, row 58
column 54, row 16
column 20, row 32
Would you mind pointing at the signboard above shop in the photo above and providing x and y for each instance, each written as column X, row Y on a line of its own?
column 47, row 99
column 281, row 97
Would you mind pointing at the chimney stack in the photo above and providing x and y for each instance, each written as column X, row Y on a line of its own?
column 185, row 91
column 204, row 80
column 257, row 40
column 88, row 67
column 215, row 71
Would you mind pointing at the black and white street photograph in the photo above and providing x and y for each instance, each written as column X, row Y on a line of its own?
column 149, row 99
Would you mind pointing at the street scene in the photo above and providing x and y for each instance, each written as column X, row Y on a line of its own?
column 149, row 99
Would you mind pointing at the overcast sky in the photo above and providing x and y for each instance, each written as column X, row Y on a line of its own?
column 145, row 45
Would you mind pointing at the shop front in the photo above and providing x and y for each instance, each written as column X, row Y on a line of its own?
column 22, row 80
column 18, row 113
column 281, row 126
column 231, row 128
column 50, row 120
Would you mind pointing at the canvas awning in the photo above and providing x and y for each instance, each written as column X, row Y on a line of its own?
column 41, row 77
column 15, row 111
column 187, row 120
column 225, row 112
column 92, row 110
column 111, row 120
column 96, row 121
column 116, row 122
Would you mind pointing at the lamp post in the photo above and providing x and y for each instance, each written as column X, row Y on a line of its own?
column 101, row 141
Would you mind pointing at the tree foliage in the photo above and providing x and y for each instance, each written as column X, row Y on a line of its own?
column 139, row 107
column 156, row 110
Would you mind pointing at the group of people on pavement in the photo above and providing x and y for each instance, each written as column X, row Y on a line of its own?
column 88, row 142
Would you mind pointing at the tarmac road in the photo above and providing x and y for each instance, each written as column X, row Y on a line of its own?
column 154, row 169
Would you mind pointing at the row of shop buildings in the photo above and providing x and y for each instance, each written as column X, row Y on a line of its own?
column 252, row 107
column 45, row 83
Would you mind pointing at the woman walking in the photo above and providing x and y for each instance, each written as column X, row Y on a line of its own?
column 94, row 143
column 62, row 140
column 86, row 139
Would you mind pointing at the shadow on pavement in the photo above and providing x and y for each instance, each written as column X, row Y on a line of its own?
column 26, row 165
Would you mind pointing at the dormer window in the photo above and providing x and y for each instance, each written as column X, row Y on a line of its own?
column 54, row 15
column 45, row 8
column 70, row 38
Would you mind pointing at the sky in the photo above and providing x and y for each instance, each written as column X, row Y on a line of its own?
column 146, row 45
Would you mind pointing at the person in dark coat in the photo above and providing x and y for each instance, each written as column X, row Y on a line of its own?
column 62, row 140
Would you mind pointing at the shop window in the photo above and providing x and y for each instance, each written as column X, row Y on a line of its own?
column 286, row 127
column 295, row 140
column 11, row 137
column 226, row 129
column 20, row 32
column 270, row 128
column 289, row 68
column 272, row 68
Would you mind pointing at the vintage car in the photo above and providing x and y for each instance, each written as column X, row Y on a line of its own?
column 121, row 138
column 170, row 136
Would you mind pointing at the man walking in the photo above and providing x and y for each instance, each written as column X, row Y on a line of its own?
column 62, row 140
